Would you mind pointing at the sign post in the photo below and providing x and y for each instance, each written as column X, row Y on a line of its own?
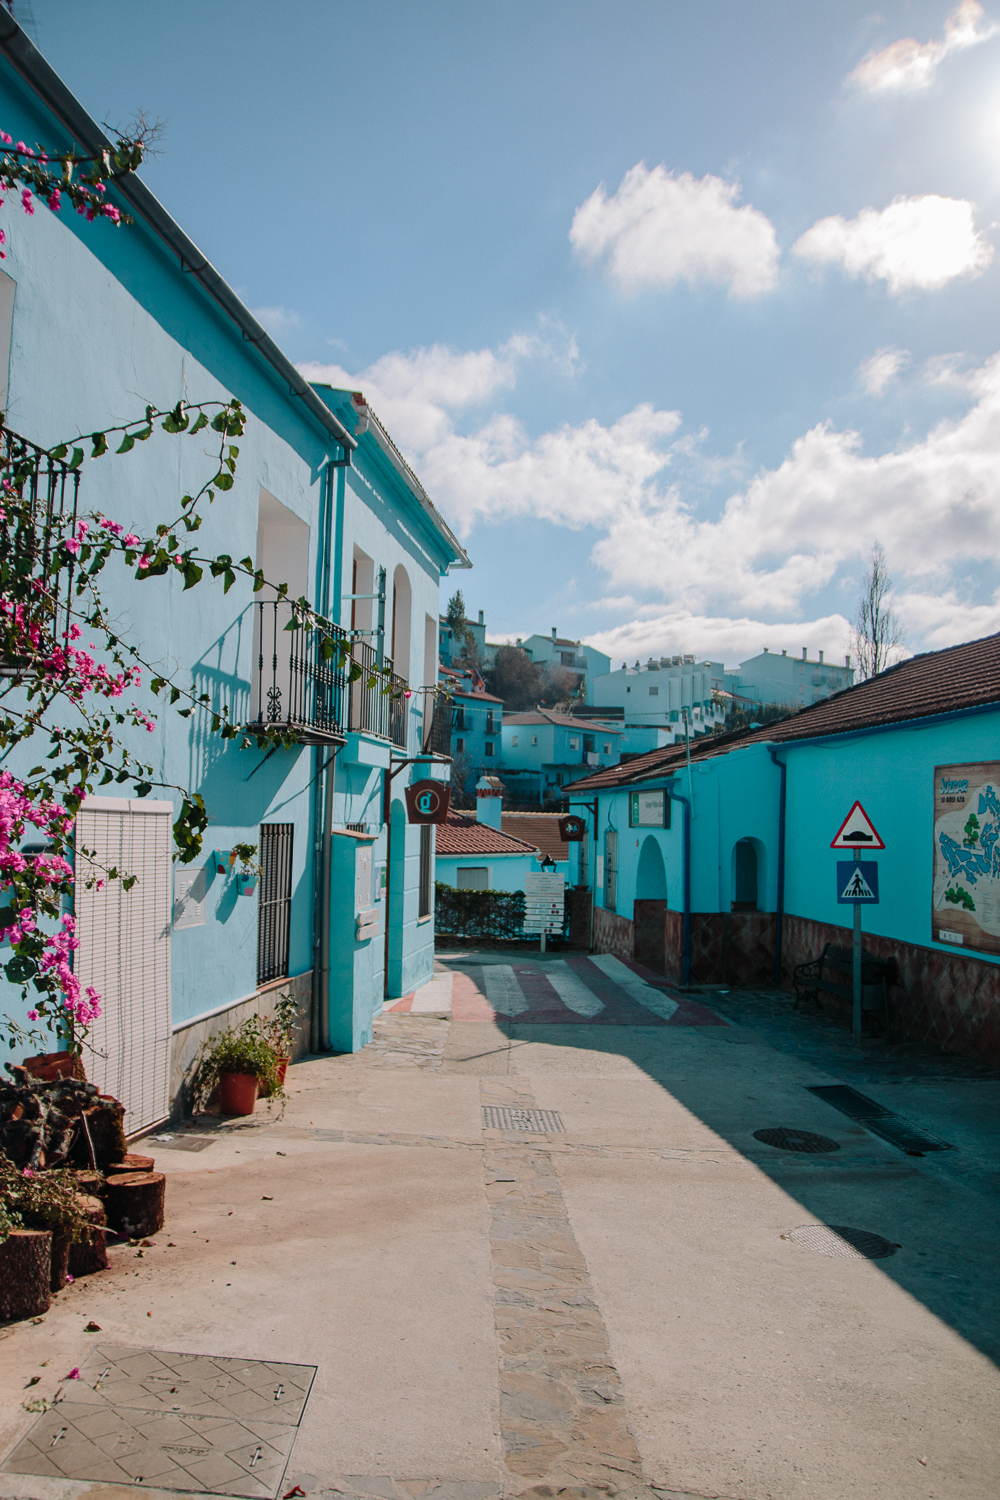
column 857, row 885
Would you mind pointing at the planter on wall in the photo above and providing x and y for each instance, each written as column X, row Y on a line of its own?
column 246, row 884
column 222, row 861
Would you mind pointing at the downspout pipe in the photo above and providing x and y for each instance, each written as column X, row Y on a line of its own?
column 780, row 903
column 686, row 859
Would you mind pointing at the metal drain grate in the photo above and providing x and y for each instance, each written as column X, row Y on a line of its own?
column 841, row 1241
column 880, row 1121
column 796, row 1140
column 507, row 1117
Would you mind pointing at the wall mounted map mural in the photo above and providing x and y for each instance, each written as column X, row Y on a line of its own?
column 965, row 906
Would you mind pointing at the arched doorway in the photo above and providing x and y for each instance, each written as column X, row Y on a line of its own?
column 746, row 876
column 650, row 906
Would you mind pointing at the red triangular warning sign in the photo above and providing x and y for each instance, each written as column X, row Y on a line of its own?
column 857, row 831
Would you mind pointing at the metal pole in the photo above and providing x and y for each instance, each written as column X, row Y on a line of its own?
column 542, row 949
column 857, row 961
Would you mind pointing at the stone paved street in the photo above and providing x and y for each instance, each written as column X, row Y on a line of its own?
column 621, row 1302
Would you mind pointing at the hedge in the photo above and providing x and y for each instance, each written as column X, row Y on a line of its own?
column 478, row 914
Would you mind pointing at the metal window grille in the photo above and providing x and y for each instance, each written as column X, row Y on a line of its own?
column 426, row 869
column 274, row 921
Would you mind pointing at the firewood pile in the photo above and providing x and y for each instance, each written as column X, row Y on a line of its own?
column 59, row 1122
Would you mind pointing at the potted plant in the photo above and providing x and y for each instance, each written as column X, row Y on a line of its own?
column 249, row 871
column 279, row 1030
column 241, row 1063
column 31, row 1201
column 223, row 860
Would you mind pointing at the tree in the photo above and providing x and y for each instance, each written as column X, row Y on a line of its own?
column 515, row 678
column 877, row 634
column 455, row 616
column 559, row 687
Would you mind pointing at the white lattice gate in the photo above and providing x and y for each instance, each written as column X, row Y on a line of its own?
column 124, row 951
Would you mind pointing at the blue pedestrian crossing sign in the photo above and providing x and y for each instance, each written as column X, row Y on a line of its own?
column 857, row 883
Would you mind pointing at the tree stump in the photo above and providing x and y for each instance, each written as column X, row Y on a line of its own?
column 131, row 1163
column 91, row 1253
column 91, row 1184
column 59, row 1262
column 104, row 1121
column 25, row 1273
column 135, row 1203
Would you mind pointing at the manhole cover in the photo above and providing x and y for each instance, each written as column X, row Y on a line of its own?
column 839, row 1240
column 504, row 1117
column 796, row 1140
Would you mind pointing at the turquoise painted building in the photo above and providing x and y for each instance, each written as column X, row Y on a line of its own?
column 723, row 872
column 544, row 751
column 96, row 321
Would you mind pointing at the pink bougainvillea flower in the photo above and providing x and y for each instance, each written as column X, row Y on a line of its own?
column 144, row 562
column 74, row 1374
column 131, row 540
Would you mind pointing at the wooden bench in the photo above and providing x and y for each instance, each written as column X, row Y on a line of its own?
column 833, row 973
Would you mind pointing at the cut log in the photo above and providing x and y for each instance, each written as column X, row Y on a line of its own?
column 25, row 1273
column 104, row 1123
column 59, row 1263
column 135, row 1203
column 91, row 1253
column 90, row 1184
column 131, row 1163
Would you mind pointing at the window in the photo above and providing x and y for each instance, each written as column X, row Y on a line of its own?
column 568, row 658
column 513, row 739
column 473, row 878
column 628, row 690
column 588, row 742
column 534, row 739
column 654, row 692
column 274, row 918
column 459, row 746
column 607, row 749
column 426, row 869
column 610, row 869
column 489, row 747
column 574, row 743
column 401, row 610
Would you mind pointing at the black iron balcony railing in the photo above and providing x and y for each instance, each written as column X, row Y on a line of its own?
column 300, row 677
column 377, row 707
column 38, row 512
column 437, row 727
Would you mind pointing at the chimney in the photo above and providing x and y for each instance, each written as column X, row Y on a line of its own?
column 554, row 634
column 821, row 658
column 481, row 620
column 847, row 661
column 784, row 653
column 805, row 653
column 489, row 803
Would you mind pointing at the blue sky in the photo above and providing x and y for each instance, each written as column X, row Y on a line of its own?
column 674, row 308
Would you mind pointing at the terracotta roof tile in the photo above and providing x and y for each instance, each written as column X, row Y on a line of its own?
column 462, row 834
column 550, row 716
column 537, row 828
column 936, row 682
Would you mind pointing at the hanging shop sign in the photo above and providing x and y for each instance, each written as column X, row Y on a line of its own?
column 572, row 829
column 427, row 802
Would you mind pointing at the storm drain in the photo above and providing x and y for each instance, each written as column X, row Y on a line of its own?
column 504, row 1117
column 796, row 1140
column 183, row 1142
column 841, row 1241
column 880, row 1121
column 171, row 1421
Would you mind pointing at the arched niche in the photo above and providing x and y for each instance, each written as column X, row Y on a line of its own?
column 401, row 608
column 651, row 876
column 748, row 875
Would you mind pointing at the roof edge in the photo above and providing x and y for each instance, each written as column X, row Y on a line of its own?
column 26, row 60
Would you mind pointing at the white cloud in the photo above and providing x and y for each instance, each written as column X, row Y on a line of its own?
column 791, row 531
column 884, row 365
column 277, row 320
column 908, row 65
column 920, row 242
column 658, row 229
column 720, row 638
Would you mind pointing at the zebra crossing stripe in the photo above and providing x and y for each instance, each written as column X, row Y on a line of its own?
column 635, row 988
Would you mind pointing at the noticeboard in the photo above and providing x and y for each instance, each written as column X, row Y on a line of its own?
column 544, row 903
column 648, row 810
column 965, row 900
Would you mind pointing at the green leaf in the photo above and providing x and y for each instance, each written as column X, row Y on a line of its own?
column 258, row 581
column 202, row 421
column 59, row 452
column 223, row 481
column 100, row 442
column 229, row 580
column 247, row 562
column 77, row 459
column 127, row 443
column 192, row 575
column 144, row 788
column 143, row 433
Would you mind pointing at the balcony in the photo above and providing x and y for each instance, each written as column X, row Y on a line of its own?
column 316, row 685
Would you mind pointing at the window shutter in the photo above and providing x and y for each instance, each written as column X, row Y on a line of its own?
column 124, row 951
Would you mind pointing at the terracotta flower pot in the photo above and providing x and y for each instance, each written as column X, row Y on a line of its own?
column 282, row 1063
column 237, row 1093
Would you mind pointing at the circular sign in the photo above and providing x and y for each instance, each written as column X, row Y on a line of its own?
column 427, row 802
